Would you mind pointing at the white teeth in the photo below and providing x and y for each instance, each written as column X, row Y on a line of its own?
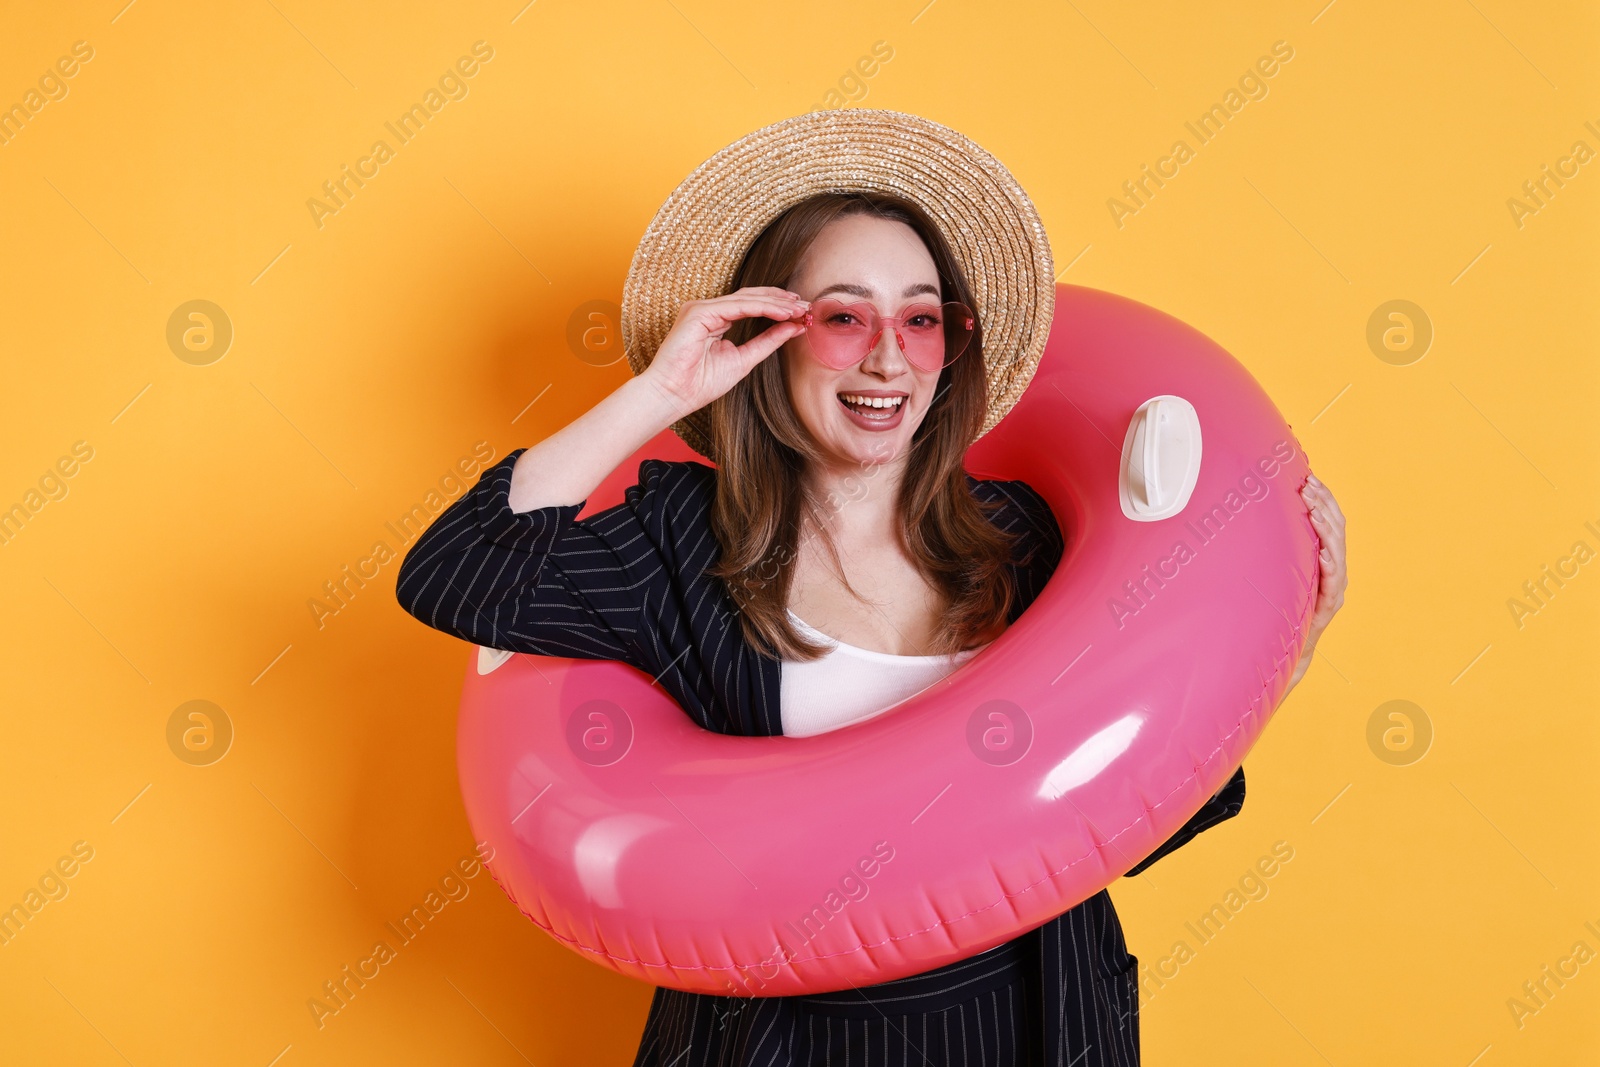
column 872, row 401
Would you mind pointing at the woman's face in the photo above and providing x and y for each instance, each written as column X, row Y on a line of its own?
column 882, row 262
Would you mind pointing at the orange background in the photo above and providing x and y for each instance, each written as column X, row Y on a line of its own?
column 372, row 352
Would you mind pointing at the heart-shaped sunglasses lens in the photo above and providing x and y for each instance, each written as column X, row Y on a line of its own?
column 932, row 336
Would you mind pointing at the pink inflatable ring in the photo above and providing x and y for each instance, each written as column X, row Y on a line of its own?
column 1033, row 777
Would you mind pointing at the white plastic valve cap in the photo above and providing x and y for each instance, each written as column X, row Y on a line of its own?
column 1160, row 459
column 490, row 658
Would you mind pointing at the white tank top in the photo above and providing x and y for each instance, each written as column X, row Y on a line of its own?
column 849, row 684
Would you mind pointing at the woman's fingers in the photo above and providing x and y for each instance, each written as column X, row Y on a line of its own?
column 723, row 311
column 767, row 342
column 717, row 321
column 1324, row 510
column 696, row 363
column 1333, row 523
column 1332, row 579
column 1318, row 496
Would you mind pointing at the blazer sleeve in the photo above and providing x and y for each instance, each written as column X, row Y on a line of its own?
column 1224, row 805
column 1038, row 522
column 540, row 581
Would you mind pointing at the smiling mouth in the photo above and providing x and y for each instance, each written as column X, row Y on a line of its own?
column 873, row 407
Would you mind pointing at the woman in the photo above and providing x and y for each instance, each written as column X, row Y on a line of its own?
column 837, row 560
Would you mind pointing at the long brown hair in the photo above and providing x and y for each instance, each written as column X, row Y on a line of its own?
column 762, row 448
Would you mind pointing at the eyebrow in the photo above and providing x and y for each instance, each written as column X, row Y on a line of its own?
column 863, row 291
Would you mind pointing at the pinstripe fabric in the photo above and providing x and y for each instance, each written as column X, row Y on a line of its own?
column 628, row 584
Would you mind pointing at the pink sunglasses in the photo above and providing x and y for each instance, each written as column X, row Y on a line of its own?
column 932, row 336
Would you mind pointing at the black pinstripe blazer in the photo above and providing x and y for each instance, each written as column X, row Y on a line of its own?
column 628, row 584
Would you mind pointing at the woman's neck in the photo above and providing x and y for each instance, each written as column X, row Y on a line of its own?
column 859, row 498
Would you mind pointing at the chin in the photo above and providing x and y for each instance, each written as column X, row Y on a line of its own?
column 875, row 457
column 870, row 449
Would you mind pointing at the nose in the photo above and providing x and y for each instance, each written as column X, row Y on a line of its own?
column 886, row 359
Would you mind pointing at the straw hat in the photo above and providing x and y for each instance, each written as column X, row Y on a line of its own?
column 697, row 239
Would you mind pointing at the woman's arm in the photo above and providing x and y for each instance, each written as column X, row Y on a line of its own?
column 693, row 366
column 1224, row 804
column 1033, row 517
column 1328, row 521
column 510, row 566
column 541, row 581
column 571, row 463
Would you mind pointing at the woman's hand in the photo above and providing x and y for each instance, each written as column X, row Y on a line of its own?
column 1328, row 521
column 695, row 365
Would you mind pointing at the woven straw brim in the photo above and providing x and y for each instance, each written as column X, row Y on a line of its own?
column 694, row 245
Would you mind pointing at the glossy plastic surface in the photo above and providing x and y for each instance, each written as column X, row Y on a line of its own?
column 1035, row 776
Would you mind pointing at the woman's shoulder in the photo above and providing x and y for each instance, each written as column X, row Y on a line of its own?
column 672, row 498
column 677, row 470
column 1021, row 508
column 675, row 479
column 1023, row 511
